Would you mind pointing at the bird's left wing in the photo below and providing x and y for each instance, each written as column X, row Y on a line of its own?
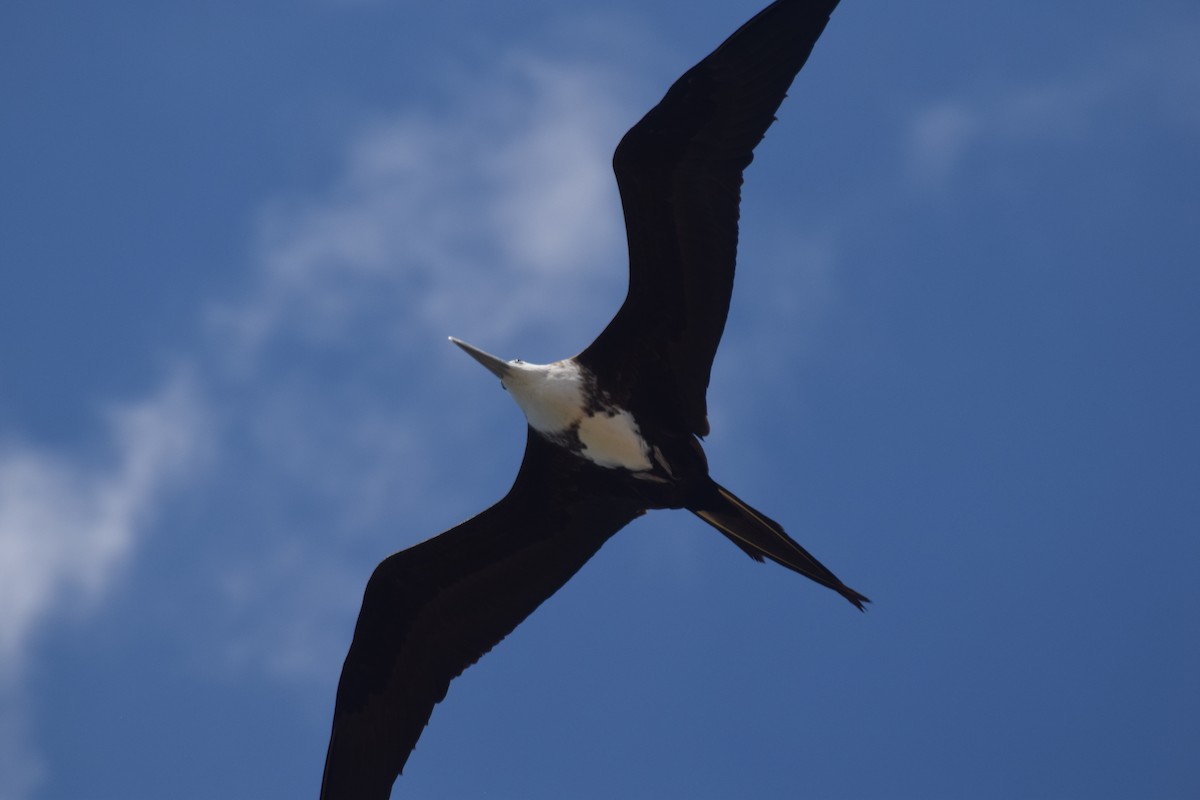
column 433, row 610
column 679, row 170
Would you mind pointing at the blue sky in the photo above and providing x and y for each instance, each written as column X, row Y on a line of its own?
column 961, row 367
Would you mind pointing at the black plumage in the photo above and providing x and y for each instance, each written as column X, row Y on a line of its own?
column 434, row 609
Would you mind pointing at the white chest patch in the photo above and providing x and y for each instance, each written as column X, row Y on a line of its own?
column 614, row 441
column 553, row 399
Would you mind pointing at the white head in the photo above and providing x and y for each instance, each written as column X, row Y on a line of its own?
column 553, row 399
column 551, row 395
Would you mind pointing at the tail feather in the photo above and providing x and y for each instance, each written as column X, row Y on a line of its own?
column 760, row 536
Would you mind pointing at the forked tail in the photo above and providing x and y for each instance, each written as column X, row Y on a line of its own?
column 760, row 536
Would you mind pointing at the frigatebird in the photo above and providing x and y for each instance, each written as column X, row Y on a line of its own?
column 612, row 432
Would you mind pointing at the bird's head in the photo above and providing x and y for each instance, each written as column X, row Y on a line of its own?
column 549, row 394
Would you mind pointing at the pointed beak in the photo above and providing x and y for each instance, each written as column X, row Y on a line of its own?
column 497, row 366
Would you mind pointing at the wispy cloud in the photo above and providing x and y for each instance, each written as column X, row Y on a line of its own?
column 66, row 524
column 1158, row 71
column 942, row 136
column 508, row 191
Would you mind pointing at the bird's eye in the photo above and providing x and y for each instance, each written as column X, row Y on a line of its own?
column 518, row 361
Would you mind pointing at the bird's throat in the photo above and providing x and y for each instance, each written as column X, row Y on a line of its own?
column 561, row 402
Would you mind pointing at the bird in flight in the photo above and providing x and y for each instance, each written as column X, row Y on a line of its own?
column 612, row 432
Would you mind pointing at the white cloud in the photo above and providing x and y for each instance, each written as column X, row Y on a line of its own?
column 66, row 525
column 507, row 194
column 943, row 135
column 1162, row 68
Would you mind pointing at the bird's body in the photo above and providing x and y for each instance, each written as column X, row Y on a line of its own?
column 563, row 402
column 612, row 432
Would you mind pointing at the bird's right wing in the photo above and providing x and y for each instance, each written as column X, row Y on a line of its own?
column 433, row 610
